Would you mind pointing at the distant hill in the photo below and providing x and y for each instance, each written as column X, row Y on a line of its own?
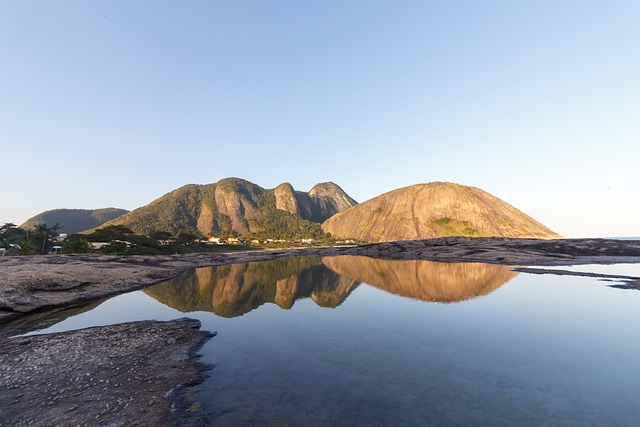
column 74, row 220
column 236, row 206
column 433, row 210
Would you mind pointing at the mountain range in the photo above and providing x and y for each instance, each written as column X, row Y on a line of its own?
column 234, row 206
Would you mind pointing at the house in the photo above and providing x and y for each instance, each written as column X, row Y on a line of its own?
column 98, row 245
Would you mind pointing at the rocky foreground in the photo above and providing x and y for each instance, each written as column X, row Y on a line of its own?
column 119, row 375
column 136, row 373
column 36, row 283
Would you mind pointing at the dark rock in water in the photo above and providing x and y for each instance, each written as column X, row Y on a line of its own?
column 126, row 374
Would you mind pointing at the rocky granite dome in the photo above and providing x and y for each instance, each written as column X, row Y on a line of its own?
column 74, row 220
column 431, row 210
column 239, row 207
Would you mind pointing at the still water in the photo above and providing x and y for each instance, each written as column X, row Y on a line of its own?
column 358, row 341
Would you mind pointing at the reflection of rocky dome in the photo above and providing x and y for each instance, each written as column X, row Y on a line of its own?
column 424, row 280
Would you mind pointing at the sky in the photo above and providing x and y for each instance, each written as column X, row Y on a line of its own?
column 115, row 103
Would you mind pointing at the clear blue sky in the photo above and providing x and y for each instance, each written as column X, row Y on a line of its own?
column 115, row 103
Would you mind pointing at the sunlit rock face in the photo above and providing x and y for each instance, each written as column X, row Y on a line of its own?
column 233, row 290
column 423, row 280
column 431, row 210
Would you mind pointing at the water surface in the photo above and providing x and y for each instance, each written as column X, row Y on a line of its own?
column 357, row 341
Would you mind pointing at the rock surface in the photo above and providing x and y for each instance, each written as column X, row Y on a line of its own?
column 120, row 375
column 433, row 210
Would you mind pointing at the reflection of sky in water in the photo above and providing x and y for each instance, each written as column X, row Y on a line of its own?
column 540, row 349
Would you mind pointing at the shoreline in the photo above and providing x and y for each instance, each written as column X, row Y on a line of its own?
column 32, row 284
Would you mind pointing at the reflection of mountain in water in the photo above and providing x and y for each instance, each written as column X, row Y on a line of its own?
column 424, row 280
column 233, row 290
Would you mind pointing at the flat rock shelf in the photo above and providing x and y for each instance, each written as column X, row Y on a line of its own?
column 127, row 374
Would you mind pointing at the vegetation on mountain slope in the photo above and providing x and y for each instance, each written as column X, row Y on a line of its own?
column 236, row 207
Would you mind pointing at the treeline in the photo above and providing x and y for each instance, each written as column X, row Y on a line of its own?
column 279, row 224
column 122, row 240
column 39, row 239
column 115, row 239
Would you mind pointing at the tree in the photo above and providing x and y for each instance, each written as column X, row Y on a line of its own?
column 42, row 237
column 10, row 233
column 161, row 235
column 76, row 244
column 185, row 237
column 110, row 232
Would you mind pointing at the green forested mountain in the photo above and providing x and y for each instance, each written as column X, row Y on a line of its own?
column 234, row 206
column 74, row 220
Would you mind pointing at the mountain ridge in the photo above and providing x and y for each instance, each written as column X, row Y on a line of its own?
column 235, row 206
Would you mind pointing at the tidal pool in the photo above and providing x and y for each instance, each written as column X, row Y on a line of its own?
column 359, row 341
